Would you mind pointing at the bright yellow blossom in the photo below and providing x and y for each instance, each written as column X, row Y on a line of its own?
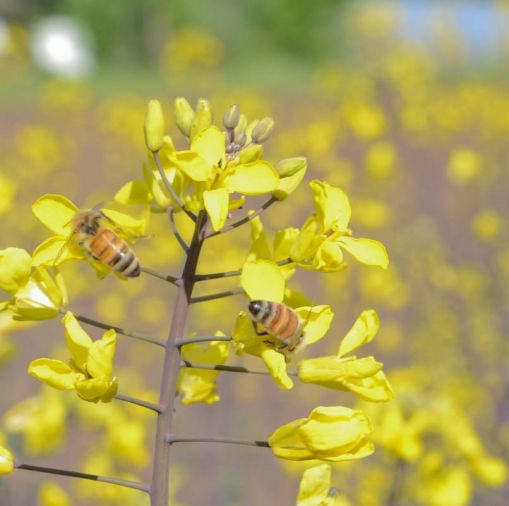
column 41, row 420
column 90, row 370
column 332, row 433
column 263, row 280
column 56, row 212
column 363, row 376
column 315, row 488
column 325, row 234
column 197, row 385
column 36, row 293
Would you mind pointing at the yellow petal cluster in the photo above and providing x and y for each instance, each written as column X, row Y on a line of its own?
column 198, row 385
column 330, row 433
column 325, row 235
column 90, row 370
column 36, row 293
column 363, row 376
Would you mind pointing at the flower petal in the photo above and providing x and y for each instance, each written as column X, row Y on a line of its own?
column 253, row 178
column 210, row 144
column 332, row 206
column 314, row 486
column 133, row 192
column 15, row 268
column 101, row 354
column 262, row 280
column 286, row 444
column 276, row 364
column 216, row 204
column 55, row 251
column 362, row 332
column 78, row 341
column 317, row 321
column 6, row 461
column 55, row 212
column 366, row 251
column 55, row 373
column 288, row 185
column 192, row 165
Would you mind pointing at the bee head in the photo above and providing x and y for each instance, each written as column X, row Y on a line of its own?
column 256, row 307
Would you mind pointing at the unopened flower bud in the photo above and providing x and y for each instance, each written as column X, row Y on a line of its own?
column 231, row 117
column 184, row 116
column 289, row 166
column 240, row 128
column 262, row 131
column 240, row 139
column 202, row 118
column 250, row 154
column 154, row 126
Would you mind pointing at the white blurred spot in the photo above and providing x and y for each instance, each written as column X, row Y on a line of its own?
column 4, row 36
column 61, row 45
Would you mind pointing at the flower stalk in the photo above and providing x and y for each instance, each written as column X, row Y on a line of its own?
column 159, row 489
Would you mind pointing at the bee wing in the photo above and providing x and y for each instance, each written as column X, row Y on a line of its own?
column 119, row 230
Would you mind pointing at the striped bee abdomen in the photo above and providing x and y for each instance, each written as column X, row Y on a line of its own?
column 278, row 320
column 113, row 251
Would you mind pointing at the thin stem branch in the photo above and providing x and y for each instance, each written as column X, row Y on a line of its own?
column 218, row 295
column 243, row 220
column 230, row 274
column 169, row 186
column 171, row 279
column 119, row 330
column 144, row 487
column 201, row 339
column 229, row 368
column 176, row 233
column 139, row 402
column 198, row 439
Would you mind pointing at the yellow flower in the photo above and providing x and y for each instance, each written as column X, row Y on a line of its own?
column 315, row 488
column 6, row 461
column 41, row 420
column 292, row 172
column 464, row 165
column 325, row 234
column 36, row 294
column 280, row 250
column 126, row 440
column 487, row 225
column 51, row 494
column 262, row 280
column 89, row 372
column 330, row 433
column 363, row 376
column 217, row 178
column 197, row 385
column 56, row 212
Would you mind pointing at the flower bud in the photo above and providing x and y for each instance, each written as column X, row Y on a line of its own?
column 202, row 118
column 240, row 129
column 154, row 126
column 262, row 131
column 289, row 166
column 231, row 117
column 184, row 116
column 251, row 153
column 6, row 461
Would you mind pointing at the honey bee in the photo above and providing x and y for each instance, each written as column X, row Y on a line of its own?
column 279, row 321
column 102, row 243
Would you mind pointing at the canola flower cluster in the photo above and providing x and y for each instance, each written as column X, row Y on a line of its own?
column 422, row 158
column 206, row 182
